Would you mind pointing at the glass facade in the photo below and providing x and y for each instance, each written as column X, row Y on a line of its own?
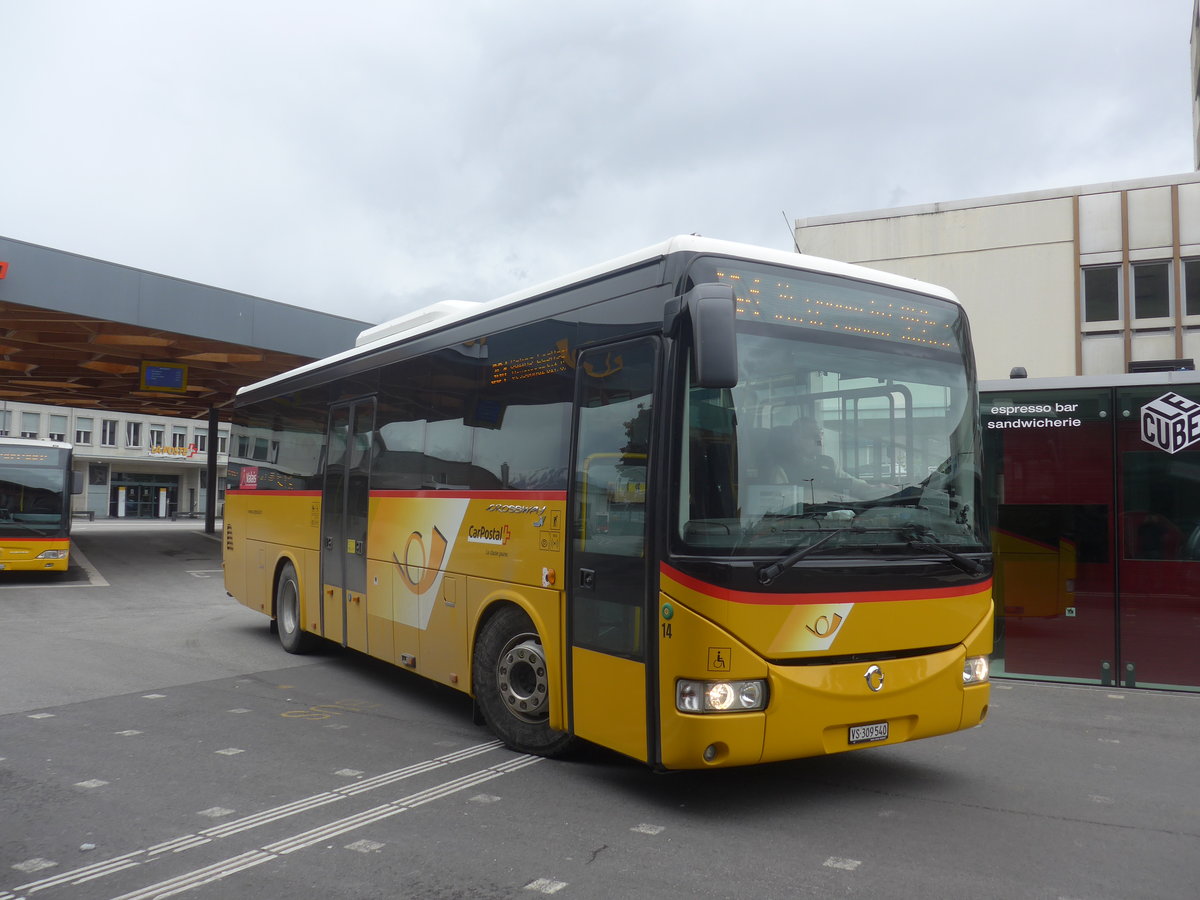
column 1094, row 494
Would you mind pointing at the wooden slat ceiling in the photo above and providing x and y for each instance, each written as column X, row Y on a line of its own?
column 65, row 359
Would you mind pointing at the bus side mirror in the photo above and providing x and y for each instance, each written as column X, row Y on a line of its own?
column 711, row 308
column 76, row 482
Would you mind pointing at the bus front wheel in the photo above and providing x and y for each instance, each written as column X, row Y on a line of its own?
column 287, row 613
column 511, row 684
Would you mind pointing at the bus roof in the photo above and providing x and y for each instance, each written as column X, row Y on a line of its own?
column 448, row 312
column 34, row 442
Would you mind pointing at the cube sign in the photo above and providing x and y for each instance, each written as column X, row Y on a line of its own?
column 1171, row 422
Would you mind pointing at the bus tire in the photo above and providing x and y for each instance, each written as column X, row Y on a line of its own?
column 511, row 684
column 292, row 636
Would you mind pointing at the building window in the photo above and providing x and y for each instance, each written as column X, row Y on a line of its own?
column 31, row 425
column 178, row 436
column 4, row 414
column 58, row 427
column 201, row 441
column 223, row 442
column 1102, row 294
column 108, row 432
column 1151, row 290
column 156, row 435
column 97, row 474
column 1191, row 287
column 83, row 429
column 133, row 434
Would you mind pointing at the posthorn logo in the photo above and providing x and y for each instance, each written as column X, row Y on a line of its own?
column 1171, row 423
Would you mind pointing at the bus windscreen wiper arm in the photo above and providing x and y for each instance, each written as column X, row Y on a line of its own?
column 968, row 565
column 771, row 571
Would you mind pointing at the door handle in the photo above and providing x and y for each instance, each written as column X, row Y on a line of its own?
column 587, row 579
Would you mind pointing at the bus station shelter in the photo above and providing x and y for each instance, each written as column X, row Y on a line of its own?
column 1093, row 485
column 84, row 333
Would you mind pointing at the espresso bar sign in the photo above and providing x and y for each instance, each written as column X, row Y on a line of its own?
column 1171, row 422
column 1034, row 415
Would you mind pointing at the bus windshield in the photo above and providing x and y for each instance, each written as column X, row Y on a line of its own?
column 32, row 489
column 853, row 413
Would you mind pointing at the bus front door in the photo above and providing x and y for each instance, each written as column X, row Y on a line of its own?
column 344, row 523
column 610, row 591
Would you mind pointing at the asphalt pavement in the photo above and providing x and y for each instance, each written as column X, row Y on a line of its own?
column 156, row 741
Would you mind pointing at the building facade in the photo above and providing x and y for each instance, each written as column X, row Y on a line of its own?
column 130, row 465
column 1095, row 280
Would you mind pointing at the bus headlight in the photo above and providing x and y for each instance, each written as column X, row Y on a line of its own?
column 52, row 554
column 720, row 696
column 975, row 670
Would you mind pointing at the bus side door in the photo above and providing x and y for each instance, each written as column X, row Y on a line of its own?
column 344, row 523
column 609, row 593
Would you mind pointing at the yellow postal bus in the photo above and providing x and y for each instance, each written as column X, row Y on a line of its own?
column 706, row 505
column 35, row 505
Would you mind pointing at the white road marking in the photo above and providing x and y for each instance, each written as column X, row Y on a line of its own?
column 229, row 751
column 127, row 733
column 365, row 846
column 95, row 579
column 649, row 829
column 35, row 865
column 838, row 862
column 42, row 716
column 322, row 833
column 91, row 783
column 244, row 861
column 545, row 886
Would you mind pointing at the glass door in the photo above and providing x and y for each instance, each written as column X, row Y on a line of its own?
column 1159, row 560
column 610, row 589
column 344, row 523
column 1048, row 458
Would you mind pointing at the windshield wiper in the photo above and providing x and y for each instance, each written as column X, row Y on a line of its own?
column 912, row 535
column 968, row 565
column 771, row 571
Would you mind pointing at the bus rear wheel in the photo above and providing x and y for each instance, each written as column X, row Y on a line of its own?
column 511, row 684
column 292, row 635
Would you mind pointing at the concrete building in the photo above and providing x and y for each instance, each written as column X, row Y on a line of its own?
column 1075, row 281
column 130, row 464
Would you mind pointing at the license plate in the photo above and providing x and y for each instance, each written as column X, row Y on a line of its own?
column 865, row 734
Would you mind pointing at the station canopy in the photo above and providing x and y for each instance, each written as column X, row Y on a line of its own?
column 84, row 333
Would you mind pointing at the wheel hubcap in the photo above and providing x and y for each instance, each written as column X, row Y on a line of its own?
column 288, row 613
column 521, row 678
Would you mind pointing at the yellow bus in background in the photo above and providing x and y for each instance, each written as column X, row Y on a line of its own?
column 595, row 506
column 35, row 505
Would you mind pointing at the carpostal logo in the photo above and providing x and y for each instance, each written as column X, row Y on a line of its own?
column 1171, row 423
column 483, row 534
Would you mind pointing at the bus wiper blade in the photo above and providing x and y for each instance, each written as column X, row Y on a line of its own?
column 968, row 565
column 771, row 571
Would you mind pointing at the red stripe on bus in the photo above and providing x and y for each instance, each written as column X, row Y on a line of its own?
column 764, row 599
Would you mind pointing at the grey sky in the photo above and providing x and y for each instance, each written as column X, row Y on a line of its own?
column 366, row 158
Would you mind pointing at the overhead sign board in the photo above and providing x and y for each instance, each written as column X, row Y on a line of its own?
column 164, row 376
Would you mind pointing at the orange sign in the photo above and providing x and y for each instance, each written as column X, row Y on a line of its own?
column 3, row 269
